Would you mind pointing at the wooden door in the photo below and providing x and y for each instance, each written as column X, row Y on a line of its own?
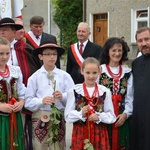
column 100, row 33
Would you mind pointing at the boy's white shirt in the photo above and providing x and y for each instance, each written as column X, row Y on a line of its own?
column 38, row 87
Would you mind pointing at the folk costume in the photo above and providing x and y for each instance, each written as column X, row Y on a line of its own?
column 99, row 100
column 140, row 120
column 75, row 59
column 40, row 86
column 119, row 81
column 11, row 127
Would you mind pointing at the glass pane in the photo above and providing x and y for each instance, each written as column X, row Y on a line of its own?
column 142, row 24
column 142, row 13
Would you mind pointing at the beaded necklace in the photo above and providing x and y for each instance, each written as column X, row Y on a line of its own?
column 87, row 96
column 5, row 73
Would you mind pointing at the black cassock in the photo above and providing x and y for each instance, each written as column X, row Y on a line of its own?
column 140, row 121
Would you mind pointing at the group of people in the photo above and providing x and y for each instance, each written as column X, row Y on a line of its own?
column 106, row 101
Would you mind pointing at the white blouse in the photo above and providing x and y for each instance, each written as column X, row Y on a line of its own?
column 72, row 115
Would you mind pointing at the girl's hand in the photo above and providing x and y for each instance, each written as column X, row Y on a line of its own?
column 93, row 117
column 6, row 108
column 121, row 119
column 18, row 105
column 57, row 95
column 48, row 100
column 85, row 110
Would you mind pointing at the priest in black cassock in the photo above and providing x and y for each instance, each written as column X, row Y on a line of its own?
column 140, row 122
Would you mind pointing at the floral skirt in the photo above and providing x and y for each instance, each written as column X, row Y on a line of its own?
column 99, row 136
column 17, row 137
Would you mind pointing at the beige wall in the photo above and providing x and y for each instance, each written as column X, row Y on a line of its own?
column 119, row 21
column 39, row 7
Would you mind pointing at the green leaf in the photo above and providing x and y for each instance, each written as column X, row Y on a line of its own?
column 86, row 146
column 86, row 141
column 91, row 148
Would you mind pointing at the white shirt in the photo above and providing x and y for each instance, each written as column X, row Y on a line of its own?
column 72, row 115
column 37, row 41
column 38, row 87
column 84, row 45
column 13, row 58
column 139, row 54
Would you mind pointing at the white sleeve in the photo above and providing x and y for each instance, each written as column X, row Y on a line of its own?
column 68, row 84
column 129, row 97
column 21, row 89
column 72, row 115
column 108, row 116
column 32, row 103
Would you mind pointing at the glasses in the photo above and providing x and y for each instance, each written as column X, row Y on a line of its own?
column 50, row 54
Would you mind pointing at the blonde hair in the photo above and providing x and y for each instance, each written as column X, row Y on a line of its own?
column 4, row 41
column 90, row 60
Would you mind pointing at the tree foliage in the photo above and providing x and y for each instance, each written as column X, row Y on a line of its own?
column 67, row 15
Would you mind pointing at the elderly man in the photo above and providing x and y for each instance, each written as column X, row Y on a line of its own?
column 81, row 50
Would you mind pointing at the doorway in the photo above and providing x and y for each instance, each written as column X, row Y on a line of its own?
column 100, row 26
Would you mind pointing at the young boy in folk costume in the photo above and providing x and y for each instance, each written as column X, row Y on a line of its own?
column 89, row 107
column 47, row 86
column 12, row 92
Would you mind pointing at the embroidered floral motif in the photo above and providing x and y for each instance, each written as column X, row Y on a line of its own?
column 14, row 89
column 81, row 101
column 2, row 94
column 41, row 132
column 108, row 82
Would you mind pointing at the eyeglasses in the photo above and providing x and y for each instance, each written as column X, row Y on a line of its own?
column 50, row 55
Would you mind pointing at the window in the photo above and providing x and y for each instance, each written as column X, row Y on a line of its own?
column 139, row 18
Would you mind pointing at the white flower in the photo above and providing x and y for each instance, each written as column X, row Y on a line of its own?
column 122, row 91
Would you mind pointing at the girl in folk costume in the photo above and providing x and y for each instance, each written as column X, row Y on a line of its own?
column 89, row 107
column 12, row 92
column 118, row 79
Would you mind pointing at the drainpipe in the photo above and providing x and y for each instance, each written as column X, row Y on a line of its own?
column 84, row 10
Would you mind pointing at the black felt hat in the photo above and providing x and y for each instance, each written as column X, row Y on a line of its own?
column 48, row 44
column 10, row 22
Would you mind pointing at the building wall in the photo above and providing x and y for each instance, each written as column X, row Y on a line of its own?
column 40, row 7
column 119, row 21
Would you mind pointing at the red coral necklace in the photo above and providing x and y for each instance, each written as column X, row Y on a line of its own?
column 87, row 96
column 113, row 75
column 5, row 73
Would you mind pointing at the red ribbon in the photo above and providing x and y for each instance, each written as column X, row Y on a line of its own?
column 115, row 130
column 90, row 125
column 13, row 126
